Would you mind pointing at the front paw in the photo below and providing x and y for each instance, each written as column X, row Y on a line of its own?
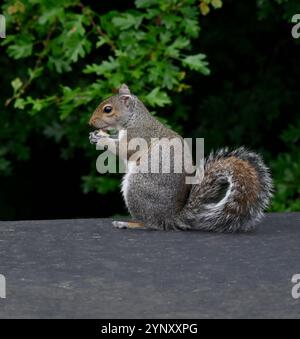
column 94, row 138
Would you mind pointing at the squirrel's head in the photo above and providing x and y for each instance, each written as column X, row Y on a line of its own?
column 115, row 111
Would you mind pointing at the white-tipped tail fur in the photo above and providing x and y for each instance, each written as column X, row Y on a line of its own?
column 235, row 190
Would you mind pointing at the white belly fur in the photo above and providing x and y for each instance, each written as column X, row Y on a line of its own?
column 125, row 180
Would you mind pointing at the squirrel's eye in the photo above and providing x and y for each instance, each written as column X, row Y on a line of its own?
column 107, row 109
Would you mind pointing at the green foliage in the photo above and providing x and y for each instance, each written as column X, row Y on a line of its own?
column 64, row 57
column 286, row 172
column 68, row 57
column 157, row 98
column 286, row 168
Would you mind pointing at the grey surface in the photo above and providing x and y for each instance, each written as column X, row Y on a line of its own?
column 87, row 269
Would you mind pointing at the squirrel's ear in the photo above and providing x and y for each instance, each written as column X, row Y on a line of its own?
column 124, row 90
column 125, row 95
column 126, row 100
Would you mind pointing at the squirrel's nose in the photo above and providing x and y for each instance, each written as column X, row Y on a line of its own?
column 92, row 121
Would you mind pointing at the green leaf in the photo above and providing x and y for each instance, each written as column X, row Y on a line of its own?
column 217, row 3
column 174, row 49
column 128, row 20
column 16, row 84
column 145, row 3
column 59, row 64
column 35, row 73
column 192, row 28
column 74, row 26
column 37, row 105
column 101, row 41
column 197, row 63
column 22, row 49
column 77, row 47
column 51, row 14
column 105, row 68
column 20, row 103
column 158, row 98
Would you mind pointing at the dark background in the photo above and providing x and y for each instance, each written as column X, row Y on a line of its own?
column 251, row 98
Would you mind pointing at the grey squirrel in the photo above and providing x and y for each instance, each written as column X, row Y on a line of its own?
column 233, row 193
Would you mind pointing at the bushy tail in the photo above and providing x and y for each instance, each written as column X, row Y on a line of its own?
column 235, row 190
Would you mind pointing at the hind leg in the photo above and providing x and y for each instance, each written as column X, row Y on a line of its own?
column 128, row 224
column 134, row 225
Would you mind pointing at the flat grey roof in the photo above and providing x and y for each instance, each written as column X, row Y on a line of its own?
column 88, row 269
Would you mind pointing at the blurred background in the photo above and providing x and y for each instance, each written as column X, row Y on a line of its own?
column 226, row 71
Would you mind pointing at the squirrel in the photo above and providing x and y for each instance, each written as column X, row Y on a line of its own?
column 235, row 188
